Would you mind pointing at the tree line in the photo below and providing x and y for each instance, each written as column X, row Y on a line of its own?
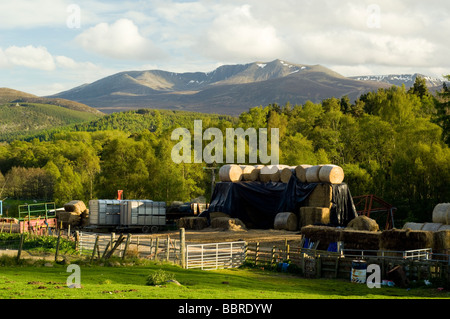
column 393, row 143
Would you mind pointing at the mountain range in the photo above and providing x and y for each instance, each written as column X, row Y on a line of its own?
column 229, row 89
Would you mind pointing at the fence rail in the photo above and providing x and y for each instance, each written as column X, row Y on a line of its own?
column 215, row 255
column 141, row 246
column 313, row 263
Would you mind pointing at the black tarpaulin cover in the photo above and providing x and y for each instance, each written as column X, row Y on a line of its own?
column 256, row 203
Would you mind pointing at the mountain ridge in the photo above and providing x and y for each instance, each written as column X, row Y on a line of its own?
column 229, row 89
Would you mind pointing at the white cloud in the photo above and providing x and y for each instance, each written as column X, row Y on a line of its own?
column 32, row 13
column 120, row 40
column 29, row 57
column 235, row 34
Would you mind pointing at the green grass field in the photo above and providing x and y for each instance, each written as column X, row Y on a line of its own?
column 128, row 281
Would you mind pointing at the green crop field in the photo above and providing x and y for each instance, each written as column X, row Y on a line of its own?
column 125, row 280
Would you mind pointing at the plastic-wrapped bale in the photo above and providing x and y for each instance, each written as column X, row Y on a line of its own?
column 194, row 223
column 286, row 221
column 312, row 174
column 441, row 214
column 230, row 173
column 75, row 206
column 363, row 223
column 332, row 174
column 314, row 215
column 286, row 174
column 227, row 223
column 300, row 172
column 321, row 196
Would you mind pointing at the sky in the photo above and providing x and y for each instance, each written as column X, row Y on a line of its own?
column 49, row 46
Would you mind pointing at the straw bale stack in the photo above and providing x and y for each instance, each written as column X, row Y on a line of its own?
column 441, row 213
column 213, row 215
column 442, row 242
column 286, row 174
column 227, row 223
column 363, row 223
column 321, row 196
column 286, row 221
column 360, row 239
column 300, row 172
column 194, row 223
column 405, row 239
column 324, row 234
column 75, row 206
column 331, row 174
column 314, row 215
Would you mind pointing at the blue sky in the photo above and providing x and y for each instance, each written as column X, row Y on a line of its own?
column 47, row 46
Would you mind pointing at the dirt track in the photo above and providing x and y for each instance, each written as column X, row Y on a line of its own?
column 211, row 235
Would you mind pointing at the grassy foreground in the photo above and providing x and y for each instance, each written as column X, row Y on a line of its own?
column 44, row 280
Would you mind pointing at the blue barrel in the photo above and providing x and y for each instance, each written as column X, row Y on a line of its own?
column 359, row 271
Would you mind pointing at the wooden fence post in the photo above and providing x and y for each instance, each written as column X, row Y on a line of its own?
column 22, row 238
column 57, row 245
column 127, row 243
column 183, row 248
column 257, row 253
column 168, row 248
column 156, row 248
column 95, row 247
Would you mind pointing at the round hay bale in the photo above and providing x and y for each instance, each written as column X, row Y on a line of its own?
column 441, row 214
column 286, row 174
column 227, row 223
column 214, row 215
column 413, row 226
column 300, row 172
column 431, row 226
column 331, row 174
column 286, row 220
column 363, row 223
column 230, row 173
column 266, row 172
column 247, row 171
column 312, row 174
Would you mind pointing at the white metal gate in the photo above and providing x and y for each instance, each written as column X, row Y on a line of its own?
column 215, row 255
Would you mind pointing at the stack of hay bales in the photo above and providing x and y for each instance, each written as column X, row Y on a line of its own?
column 324, row 173
column 439, row 228
column 193, row 223
column 75, row 214
column 322, row 234
column 318, row 205
column 406, row 239
column 314, row 216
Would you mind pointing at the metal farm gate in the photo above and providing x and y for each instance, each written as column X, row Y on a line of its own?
column 215, row 255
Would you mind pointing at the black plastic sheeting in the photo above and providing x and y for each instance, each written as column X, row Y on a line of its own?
column 256, row 203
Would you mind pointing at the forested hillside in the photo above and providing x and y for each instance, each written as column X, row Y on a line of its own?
column 393, row 143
